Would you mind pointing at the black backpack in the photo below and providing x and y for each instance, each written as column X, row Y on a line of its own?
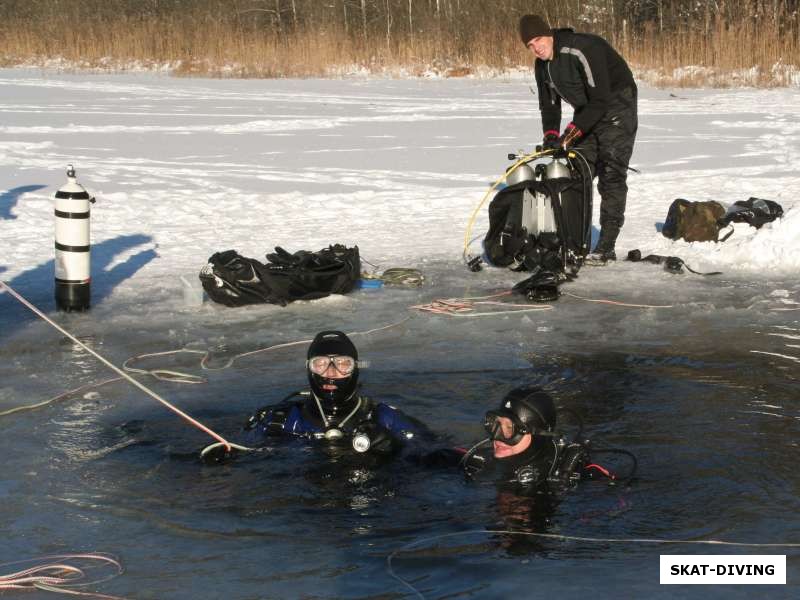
column 753, row 211
column 234, row 280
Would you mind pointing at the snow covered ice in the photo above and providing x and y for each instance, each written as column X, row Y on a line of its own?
column 182, row 168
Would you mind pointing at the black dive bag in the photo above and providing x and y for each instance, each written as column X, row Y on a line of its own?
column 753, row 211
column 234, row 280
column 541, row 222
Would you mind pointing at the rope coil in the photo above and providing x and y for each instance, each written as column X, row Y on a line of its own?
column 464, row 307
column 58, row 573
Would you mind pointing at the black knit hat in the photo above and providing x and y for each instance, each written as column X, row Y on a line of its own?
column 531, row 26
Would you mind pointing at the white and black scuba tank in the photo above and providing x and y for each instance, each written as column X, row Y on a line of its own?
column 72, row 245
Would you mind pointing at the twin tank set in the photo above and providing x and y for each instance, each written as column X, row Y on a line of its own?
column 537, row 209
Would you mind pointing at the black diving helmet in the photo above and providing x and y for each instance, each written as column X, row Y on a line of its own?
column 332, row 364
column 530, row 410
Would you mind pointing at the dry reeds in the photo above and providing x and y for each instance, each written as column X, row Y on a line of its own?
column 304, row 38
column 735, row 54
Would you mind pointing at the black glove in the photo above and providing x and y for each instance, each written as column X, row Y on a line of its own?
column 473, row 466
column 550, row 140
column 571, row 135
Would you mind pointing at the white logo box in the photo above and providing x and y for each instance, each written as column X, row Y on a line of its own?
column 716, row 569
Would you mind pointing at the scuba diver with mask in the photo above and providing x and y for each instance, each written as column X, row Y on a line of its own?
column 332, row 410
column 532, row 464
column 524, row 452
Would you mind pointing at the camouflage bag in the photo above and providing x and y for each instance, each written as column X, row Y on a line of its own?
column 693, row 221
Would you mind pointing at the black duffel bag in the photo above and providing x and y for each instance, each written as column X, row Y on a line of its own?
column 235, row 280
column 753, row 211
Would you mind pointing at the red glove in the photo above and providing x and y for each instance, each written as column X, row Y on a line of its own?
column 571, row 135
column 551, row 140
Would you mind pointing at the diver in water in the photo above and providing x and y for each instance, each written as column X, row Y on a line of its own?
column 532, row 465
column 525, row 453
column 333, row 411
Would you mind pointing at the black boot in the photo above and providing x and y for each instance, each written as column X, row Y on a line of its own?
column 604, row 250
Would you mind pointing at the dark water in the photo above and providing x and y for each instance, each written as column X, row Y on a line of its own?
column 713, row 421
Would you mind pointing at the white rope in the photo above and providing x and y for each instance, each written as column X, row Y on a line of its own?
column 17, row 409
column 114, row 368
column 61, row 576
column 616, row 303
column 569, row 538
column 179, row 377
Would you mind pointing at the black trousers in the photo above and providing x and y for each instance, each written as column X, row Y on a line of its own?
column 608, row 148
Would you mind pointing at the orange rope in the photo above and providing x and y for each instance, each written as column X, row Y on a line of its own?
column 464, row 307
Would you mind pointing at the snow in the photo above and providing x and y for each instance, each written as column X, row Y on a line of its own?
column 183, row 168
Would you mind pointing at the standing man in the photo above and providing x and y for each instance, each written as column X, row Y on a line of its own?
column 587, row 73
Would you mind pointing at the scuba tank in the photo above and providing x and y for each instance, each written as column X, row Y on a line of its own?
column 557, row 168
column 541, row 221
column 72, row 245
column 523, row 172
column 537, row 208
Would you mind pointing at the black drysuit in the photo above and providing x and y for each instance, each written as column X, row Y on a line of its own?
column 587, row 73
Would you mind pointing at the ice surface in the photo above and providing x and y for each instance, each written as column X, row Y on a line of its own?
column 183, row 168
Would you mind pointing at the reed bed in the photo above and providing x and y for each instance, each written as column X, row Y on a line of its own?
column 290, row 38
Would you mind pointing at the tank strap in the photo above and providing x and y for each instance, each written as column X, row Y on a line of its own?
column 277, row 414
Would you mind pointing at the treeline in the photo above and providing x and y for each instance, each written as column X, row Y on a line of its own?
column 286, row 38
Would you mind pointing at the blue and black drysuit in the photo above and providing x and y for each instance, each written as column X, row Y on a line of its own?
column 387, row 429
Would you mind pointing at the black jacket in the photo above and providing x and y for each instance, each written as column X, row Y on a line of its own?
column 525, row 474
column 586, row 72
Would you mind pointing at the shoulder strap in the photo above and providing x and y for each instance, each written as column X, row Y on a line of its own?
column 273, row 416
column 726, row 236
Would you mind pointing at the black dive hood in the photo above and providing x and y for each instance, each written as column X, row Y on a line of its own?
column 343, row 397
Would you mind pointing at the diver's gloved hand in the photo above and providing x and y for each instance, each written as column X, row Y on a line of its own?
column 570, row 136
column 473, row 465
column 550, row 140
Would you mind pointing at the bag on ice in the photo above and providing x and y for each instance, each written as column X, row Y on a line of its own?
column 702, row 221
column 235, row 280
column 753, row 211
column 693, row 221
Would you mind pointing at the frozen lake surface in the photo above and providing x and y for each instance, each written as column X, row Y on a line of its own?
column 703, row 387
